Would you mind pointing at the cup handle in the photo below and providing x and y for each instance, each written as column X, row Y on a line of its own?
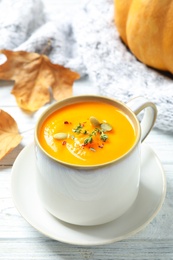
column 150, row 113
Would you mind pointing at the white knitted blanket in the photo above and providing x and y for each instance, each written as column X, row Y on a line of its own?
column 86, row 41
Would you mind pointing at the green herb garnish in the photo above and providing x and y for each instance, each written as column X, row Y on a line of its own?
column 100, row 128
column 103, row 137
column 85, row 132
column 88, row 140
column 78, row 128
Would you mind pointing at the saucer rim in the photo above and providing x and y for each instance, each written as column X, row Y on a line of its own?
column 104, row 242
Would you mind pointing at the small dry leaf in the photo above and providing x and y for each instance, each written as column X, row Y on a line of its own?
column 9, row 134
column 34, row 74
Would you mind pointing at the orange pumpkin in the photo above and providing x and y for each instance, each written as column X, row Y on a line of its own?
column 146, row 27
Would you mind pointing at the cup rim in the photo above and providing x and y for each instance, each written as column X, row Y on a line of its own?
column 78, row 99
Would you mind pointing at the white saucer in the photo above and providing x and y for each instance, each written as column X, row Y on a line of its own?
column 149, row 201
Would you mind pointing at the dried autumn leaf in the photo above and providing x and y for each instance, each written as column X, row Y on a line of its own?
column 34, row 74
column 9, row 134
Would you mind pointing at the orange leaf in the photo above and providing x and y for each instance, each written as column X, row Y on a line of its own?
column 9, row 135
column 34, row 74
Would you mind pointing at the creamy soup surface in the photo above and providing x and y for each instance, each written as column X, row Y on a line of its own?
column 70, row 135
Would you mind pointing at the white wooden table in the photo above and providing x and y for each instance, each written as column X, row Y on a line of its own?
column 20, row 241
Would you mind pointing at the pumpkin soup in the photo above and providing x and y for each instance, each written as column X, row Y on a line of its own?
column 87, row 133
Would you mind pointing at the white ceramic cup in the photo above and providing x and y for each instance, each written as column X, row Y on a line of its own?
column 93, row 195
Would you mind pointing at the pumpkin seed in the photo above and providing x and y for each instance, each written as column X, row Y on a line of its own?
column 106, row 127
column 92, row 149
column 60, row 136
column 94, row 121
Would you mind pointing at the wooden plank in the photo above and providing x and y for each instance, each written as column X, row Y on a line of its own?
column 52, row 250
